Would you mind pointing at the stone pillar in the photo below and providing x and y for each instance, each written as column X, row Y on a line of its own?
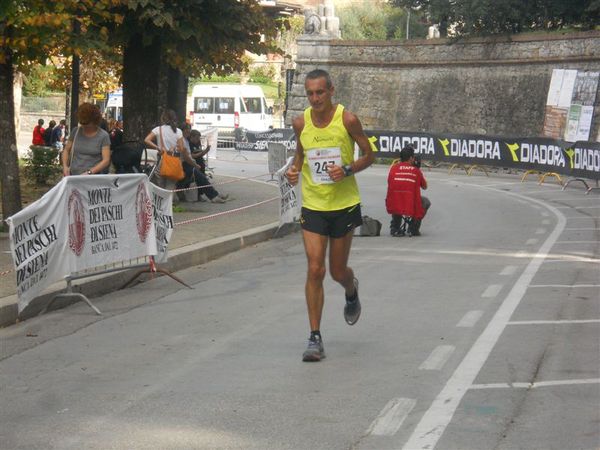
column 313, row 52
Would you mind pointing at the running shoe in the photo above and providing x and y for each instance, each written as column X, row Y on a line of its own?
column 314, row 351
column 352, row 307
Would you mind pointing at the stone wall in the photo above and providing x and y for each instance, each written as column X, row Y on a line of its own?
column 495, row 86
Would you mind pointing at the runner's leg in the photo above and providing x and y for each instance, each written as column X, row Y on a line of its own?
column 339, row 253
column 315, row 246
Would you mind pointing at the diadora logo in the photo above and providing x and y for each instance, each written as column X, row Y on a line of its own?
column 322, row 138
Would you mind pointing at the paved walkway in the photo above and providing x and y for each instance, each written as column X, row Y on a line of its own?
column 236, row 216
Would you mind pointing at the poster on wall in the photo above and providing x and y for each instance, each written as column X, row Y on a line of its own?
column 570, row 105
column 581, row 110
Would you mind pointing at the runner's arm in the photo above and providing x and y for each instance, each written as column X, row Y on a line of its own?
column 355, row 129
column 366, row 158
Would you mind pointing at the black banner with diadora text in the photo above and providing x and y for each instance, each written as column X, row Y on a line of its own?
column 580, row 159
column 258, row 140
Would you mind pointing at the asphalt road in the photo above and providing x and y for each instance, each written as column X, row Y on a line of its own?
column 481, row 334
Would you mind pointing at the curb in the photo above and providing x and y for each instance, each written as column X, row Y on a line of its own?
column 180, row 258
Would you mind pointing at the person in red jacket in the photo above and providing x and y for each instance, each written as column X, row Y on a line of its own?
column 38, row 133
column 404, row 201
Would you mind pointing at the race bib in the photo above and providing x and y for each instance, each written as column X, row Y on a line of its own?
column 319, row 159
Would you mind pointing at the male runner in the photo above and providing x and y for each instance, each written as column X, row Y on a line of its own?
column 325, row 136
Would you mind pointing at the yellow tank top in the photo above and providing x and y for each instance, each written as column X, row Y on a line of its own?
column 322, row 146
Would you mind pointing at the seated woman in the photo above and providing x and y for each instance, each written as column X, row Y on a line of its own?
column 193, row 170
column 87, row 151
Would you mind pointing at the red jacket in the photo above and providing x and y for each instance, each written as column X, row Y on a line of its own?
column 38, row 136
column 404, row 190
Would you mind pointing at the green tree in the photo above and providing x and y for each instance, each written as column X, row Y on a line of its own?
column 166, row 42
column 479, row 17
column 29, row 32
column 161, row 42
column 368, row 20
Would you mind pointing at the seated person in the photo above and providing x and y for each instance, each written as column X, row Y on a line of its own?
column 196, row 149
column 193, row 170
column 404, row 201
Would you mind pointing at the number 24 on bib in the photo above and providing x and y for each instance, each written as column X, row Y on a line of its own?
column 319, row 159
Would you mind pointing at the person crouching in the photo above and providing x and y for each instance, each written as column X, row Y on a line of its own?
column 404, row 201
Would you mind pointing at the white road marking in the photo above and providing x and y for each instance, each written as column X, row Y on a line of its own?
column 569, row 286
column 540, row 231
column 435, row 420
column 438, row 357
column 492, row 290
column 552, row 322
column 470, row 319
column 532, row 241
column 538, row 384
column 576, row 242
column 390, row 419
column 577, row 207
column 575, row 259
column 508, row 270
column 521, row 254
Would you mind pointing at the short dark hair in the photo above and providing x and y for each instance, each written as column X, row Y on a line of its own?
column 320, row 73
column 406, row 153
column 41, row 122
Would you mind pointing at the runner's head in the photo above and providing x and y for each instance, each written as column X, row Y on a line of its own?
column 319, row 90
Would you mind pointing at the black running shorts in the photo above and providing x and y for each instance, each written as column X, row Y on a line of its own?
column 335, row 224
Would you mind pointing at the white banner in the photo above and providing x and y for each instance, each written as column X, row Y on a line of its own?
column 81, row 223
column 290, row 205
column 162, row 204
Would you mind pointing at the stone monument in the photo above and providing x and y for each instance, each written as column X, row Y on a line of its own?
column 322, row 23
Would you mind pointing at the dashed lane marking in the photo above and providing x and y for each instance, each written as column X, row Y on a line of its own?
column 391, row 417
column 438, row 357
column 470, row 319
column 492, row 291
column 508, row 270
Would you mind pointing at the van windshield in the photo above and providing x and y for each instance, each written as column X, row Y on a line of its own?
column 252, row 105
column 204, row 105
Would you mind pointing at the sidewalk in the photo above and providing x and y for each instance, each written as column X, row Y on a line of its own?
column 192, row 243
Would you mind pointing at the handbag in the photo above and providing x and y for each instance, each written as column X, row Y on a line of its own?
column 370, row 227
column 170, row 165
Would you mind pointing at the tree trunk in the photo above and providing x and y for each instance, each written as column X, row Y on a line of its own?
column 177, row 94
column 9, row 157
column 141, row 87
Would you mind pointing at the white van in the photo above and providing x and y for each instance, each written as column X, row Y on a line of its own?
column 230, row 106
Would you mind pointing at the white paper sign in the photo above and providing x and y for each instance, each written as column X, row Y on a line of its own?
column 554, row 89
column 585, row 123
column 162, row 207
column 566, row 89
column 290, row 204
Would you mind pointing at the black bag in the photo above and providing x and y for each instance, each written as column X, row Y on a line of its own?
column 127, row 157
column 370, row 227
